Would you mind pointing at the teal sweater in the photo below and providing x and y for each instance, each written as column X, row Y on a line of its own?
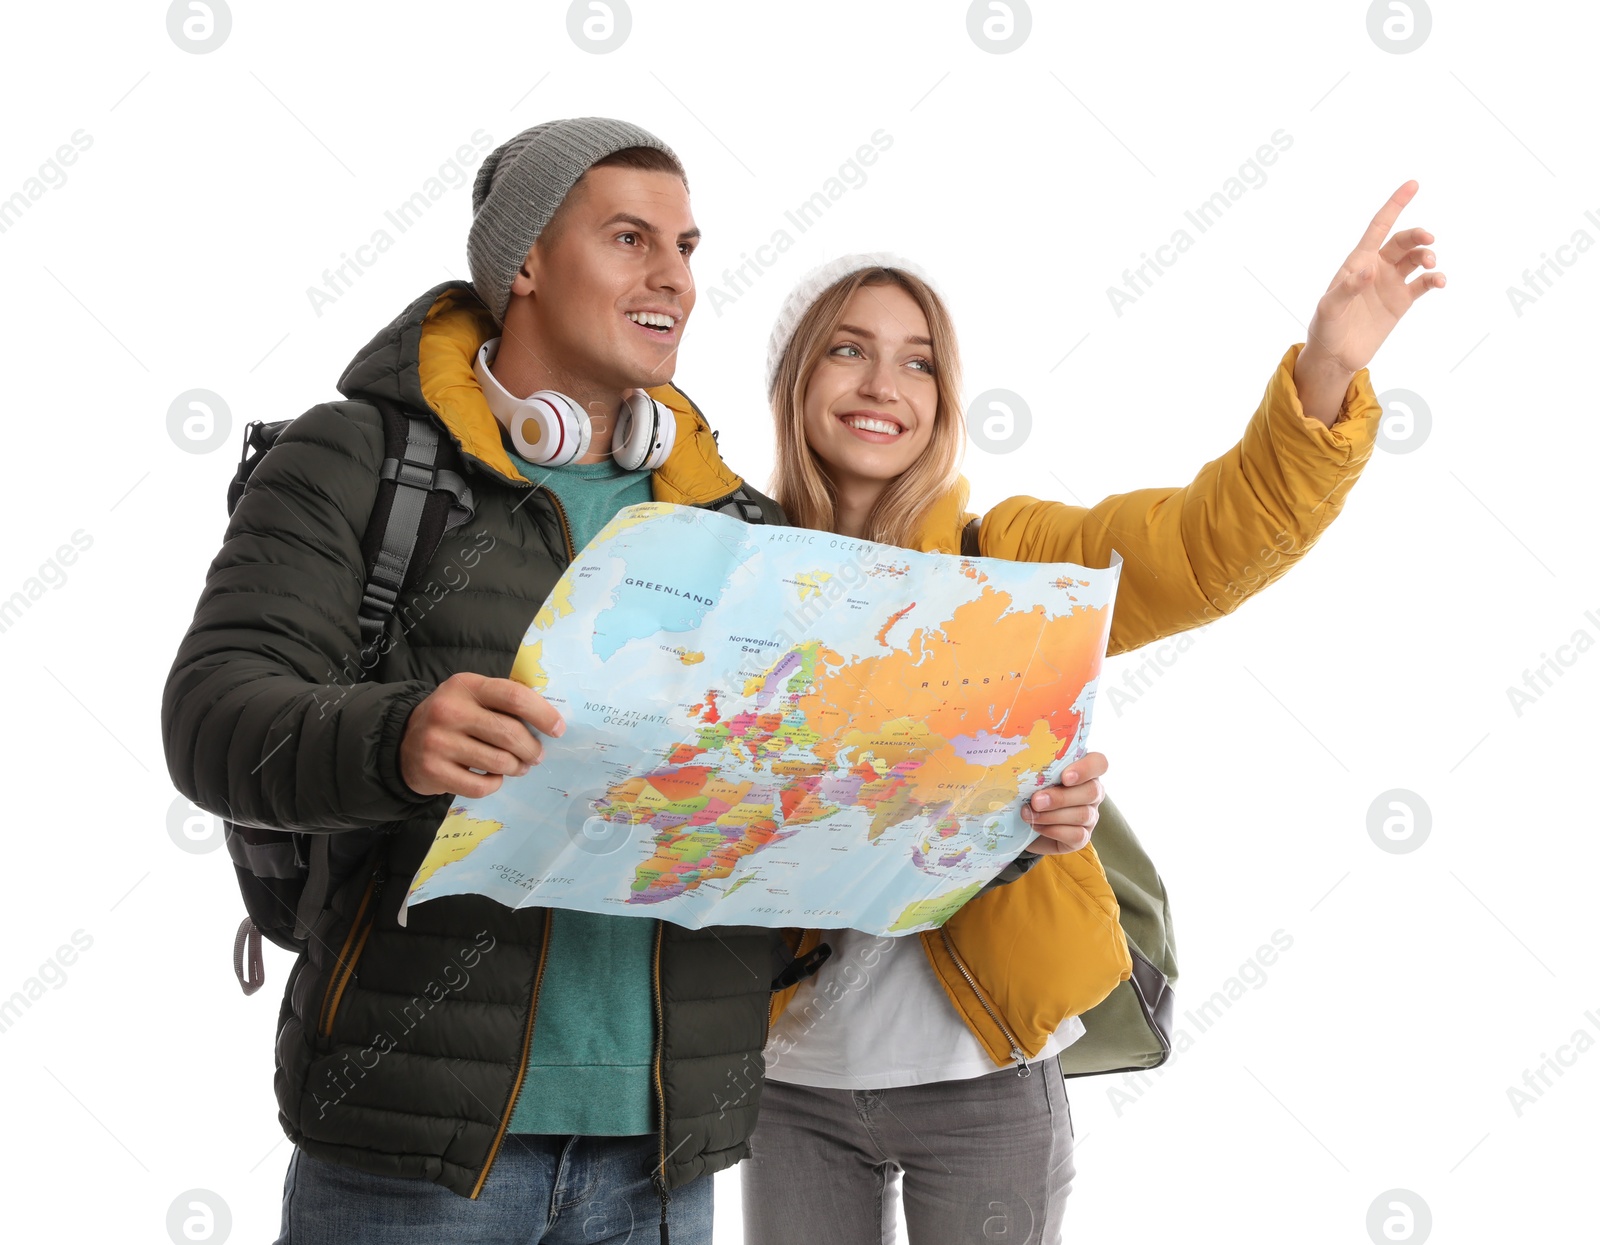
column 589, row 1067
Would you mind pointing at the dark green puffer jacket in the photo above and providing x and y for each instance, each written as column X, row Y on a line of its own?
column 400, row 1050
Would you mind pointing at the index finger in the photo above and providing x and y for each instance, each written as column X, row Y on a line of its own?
column 509, row 696
column 1384, row 221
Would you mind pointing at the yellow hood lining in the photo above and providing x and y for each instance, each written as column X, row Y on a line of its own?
column 942, row 527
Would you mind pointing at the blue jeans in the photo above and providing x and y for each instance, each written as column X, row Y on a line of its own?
column 542, row 1190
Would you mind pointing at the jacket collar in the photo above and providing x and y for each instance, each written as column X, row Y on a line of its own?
column 941, row 528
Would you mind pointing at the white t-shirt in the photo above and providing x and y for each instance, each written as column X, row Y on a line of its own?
column 876, row 1017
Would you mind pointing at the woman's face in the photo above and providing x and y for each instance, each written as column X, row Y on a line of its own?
column 870, row 401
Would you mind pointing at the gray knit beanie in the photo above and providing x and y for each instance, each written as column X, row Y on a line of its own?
column 811, row 287
column 521, row 184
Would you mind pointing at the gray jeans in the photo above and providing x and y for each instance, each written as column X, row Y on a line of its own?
column 986, row 1159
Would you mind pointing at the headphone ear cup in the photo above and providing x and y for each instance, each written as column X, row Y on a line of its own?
column 550, row 430
column 546, row 428
column 645, row 433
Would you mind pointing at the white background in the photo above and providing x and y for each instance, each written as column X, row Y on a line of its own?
column 1379, row 1051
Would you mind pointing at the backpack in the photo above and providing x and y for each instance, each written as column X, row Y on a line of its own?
column 286, row 877
column 1131, row 1028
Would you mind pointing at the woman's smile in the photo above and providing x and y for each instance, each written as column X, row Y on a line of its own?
column 873, row 426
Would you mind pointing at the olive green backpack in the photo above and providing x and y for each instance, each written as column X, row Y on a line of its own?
column 1131, row 1028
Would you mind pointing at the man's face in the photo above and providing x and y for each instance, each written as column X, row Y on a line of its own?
column 615, row 256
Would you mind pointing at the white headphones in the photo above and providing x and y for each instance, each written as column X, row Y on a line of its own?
column 551, row 430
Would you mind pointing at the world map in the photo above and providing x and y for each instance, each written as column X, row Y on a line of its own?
column 781, row 727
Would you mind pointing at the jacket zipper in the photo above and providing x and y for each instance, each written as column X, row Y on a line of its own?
column 661, row 1092
column 566, row 528
column 660, row 1179
column 345, row 965
column 1016, row 1050
column 522, row 1069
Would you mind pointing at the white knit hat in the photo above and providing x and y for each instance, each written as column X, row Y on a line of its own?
column 810, row 289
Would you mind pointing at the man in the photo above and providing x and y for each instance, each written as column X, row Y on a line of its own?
column 570, row 1077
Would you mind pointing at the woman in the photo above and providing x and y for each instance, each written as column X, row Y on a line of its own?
column 929, row 1056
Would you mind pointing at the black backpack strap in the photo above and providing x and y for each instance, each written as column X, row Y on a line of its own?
column 319, row 881
column 425, row 498
column 740, row 505
column 970, row 547
column 412, row 474
column 801, row 967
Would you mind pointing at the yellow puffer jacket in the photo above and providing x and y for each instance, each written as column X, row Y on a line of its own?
column 1019, row 959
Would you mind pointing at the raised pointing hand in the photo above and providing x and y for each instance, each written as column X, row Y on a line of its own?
column 1362, row 304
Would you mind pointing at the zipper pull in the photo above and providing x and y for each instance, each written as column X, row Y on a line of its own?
column 661, row 1188
column 1022, row 1063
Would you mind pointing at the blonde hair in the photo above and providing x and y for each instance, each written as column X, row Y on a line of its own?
column 800, row 480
